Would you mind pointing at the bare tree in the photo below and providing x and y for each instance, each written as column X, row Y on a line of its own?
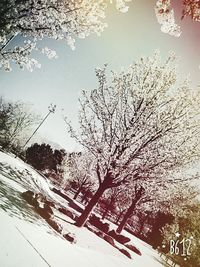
column 6, row 110
column 16, row 120
column 139, row 124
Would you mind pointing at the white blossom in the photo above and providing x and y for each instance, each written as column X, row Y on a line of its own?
column 140, row 123
column 165, row 17
column 71, row 42
column 36, row 19
column 21, row 56
column 49, row 52
column 122, row 6
column 191, row 8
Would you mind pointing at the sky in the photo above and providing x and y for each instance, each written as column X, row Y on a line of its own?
column 127, row 37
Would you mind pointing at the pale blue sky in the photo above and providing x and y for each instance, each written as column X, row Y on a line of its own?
column 127, row 38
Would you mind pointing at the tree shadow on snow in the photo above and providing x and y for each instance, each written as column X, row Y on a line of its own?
column 11, row 200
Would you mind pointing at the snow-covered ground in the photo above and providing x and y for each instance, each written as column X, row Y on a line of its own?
column 27, row 240
column 23, row 173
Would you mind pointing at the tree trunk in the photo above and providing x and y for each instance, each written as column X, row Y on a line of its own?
column 139, row 191
column 82, row 219
column 126, row 216
column 77, row 192
column 109, row 207
column 105, row 213
column 84, row 198
column 119, row 217
column 142, row 222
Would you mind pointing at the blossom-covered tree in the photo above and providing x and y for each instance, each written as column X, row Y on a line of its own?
column 122, row 202
column 167, row 197
column 33, row 20
column 110, row 198
column 139, row 191
column 80, row 171
column 138, row 124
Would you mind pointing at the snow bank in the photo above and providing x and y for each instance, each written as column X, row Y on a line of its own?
column 27, row 176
